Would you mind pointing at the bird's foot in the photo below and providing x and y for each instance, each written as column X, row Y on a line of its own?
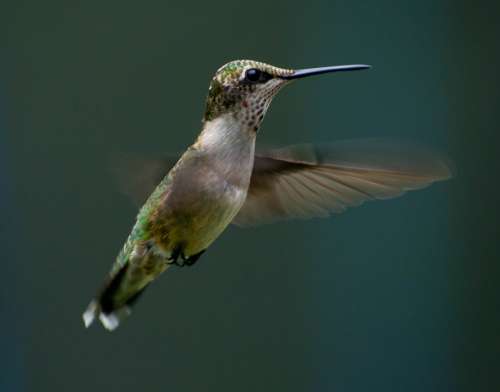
column 174, row 257
column 177, row 258
column 193, row 259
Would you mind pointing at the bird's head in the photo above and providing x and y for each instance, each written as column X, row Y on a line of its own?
column 245, row 88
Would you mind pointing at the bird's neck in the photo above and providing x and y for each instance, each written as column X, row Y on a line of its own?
column 228, row 142
column 226, row 135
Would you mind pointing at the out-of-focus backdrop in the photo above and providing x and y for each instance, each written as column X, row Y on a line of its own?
column 399, row 295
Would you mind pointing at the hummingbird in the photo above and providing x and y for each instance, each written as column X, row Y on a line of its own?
column 221, row 179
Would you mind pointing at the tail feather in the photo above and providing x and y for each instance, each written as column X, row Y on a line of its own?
column 112, row 305
column 90, row 314
column 110, row 321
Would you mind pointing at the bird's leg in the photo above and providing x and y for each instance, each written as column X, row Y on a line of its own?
column 179, row 259
column 174, row 257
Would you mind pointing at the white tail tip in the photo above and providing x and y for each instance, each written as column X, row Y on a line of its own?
column 89, row 314
column 110, row 321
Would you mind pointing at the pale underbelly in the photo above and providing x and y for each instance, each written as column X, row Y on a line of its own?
column 193, row 225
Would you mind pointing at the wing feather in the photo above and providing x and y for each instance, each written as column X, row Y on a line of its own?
column 306, row 181
column 137, row 176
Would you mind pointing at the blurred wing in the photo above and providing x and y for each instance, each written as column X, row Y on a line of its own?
column 138, row 176
column 306, row 181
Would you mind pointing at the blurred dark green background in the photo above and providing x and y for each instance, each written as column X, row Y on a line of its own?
column 392, row 296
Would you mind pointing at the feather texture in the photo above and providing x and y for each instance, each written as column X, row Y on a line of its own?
column 306, row 181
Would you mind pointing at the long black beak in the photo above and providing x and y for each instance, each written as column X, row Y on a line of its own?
column 302, row 73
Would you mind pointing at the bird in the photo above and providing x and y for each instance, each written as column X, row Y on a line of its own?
column 221, row 179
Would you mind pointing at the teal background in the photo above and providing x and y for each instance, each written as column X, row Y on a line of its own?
column 400, row 295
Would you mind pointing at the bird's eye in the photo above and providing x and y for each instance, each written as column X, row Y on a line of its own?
column 253, row 75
